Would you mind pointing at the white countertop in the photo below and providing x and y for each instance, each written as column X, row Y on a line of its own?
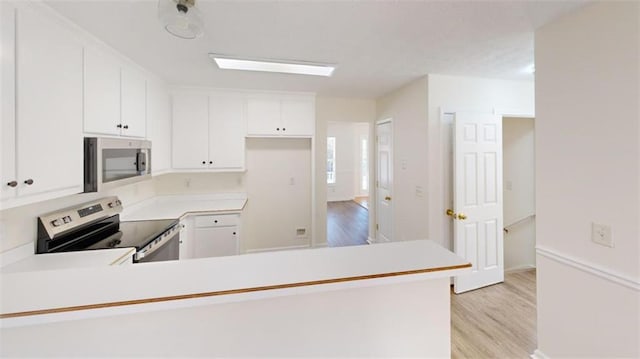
column 225, row 278
column 176, row 206
column 65, row 260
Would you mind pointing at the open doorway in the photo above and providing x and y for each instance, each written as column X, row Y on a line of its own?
column 518, row 188
column 348, row 148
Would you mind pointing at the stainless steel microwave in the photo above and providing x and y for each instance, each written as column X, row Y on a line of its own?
column 112, row 162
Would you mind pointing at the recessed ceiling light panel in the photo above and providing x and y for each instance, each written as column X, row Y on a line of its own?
column 280, row 66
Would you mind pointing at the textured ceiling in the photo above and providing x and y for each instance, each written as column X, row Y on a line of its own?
column 378, row 45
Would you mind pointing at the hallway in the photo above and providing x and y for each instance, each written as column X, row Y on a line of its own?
column 347, row 224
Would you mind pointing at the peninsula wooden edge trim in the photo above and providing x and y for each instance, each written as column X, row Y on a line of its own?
column 224, row 292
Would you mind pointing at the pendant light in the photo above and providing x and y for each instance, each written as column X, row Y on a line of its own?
column 181, row 18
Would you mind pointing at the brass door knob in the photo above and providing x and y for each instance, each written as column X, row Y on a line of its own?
column 451, row 213
column 462, row 216
column 387, row 198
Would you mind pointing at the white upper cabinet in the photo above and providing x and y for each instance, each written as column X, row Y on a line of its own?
column 46, row 128
column 190, row 131
column 134, row 102
column 101, row 93
column 209, row 131
column 159, row 126
column 298, row 117
column 114, row 96
column 227, row 131
column 7, row 106
column 281, row 115
column 263, row 116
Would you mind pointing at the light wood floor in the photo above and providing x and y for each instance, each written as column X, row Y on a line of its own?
column 363, row 201
column 497, row 321
column 347, row 224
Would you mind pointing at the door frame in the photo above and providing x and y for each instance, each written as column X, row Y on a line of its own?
column 374, row 196
column 441, row 204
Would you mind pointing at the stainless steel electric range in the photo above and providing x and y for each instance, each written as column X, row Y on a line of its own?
column 96, row 225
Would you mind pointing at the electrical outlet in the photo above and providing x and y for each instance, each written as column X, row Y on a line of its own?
column 419, row 191
column 301, row 232
column 601, row 234
column 508, row 185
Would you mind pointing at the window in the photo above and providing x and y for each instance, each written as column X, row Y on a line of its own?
column 331, row 160
column 364, row 165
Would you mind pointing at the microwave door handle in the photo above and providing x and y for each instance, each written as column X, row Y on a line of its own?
column 141, row 162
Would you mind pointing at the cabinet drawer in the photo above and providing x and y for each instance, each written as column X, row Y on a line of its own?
column 223, row 220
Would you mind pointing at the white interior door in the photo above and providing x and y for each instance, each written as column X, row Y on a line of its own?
column 478, row 199
column 384, row 181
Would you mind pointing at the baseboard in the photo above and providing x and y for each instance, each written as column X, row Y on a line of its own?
column 596, row 270
column 520, row 269
column 273, row 249
column 537, row 354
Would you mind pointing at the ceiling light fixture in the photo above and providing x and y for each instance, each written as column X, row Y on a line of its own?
column 181, row 18
column 280, row 66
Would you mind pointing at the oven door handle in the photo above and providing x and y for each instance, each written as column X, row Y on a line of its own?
column 157, row 243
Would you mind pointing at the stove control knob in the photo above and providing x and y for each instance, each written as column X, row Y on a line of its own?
column 57, row 223
column 66, row 219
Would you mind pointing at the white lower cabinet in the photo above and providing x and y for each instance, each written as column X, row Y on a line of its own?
column 216, row 235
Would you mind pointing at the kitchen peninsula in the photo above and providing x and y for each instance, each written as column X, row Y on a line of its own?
column 387, row 299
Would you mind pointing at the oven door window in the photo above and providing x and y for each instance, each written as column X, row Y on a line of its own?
column 119, row 164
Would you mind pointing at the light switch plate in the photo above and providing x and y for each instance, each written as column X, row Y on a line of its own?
column 601, row 234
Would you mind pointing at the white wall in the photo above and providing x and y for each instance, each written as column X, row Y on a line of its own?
column 452, row 93
column 278, row 183
column 407, row 107
column 588, row 170
column 336, row 109
column 194, row 183
column 519, row 192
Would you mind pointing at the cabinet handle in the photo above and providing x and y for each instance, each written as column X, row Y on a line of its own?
column 119, row 125
column 126, row 127
column 278, row 129
column 215, row 221
column 284, row 129
column 12, row 184
column 210, row 162
column 234, row 233
column 204, row 162
column 29, row 182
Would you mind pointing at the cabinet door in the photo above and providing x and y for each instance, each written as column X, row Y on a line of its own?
column 227, row 131
column 159, row 125
column 186, row 240
column 190, row 131
column 7, row 106
column 263, row 117
column 101, row 93
column 134, row 104
column 215, row 242
column 49, row 105
column 298, row 117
